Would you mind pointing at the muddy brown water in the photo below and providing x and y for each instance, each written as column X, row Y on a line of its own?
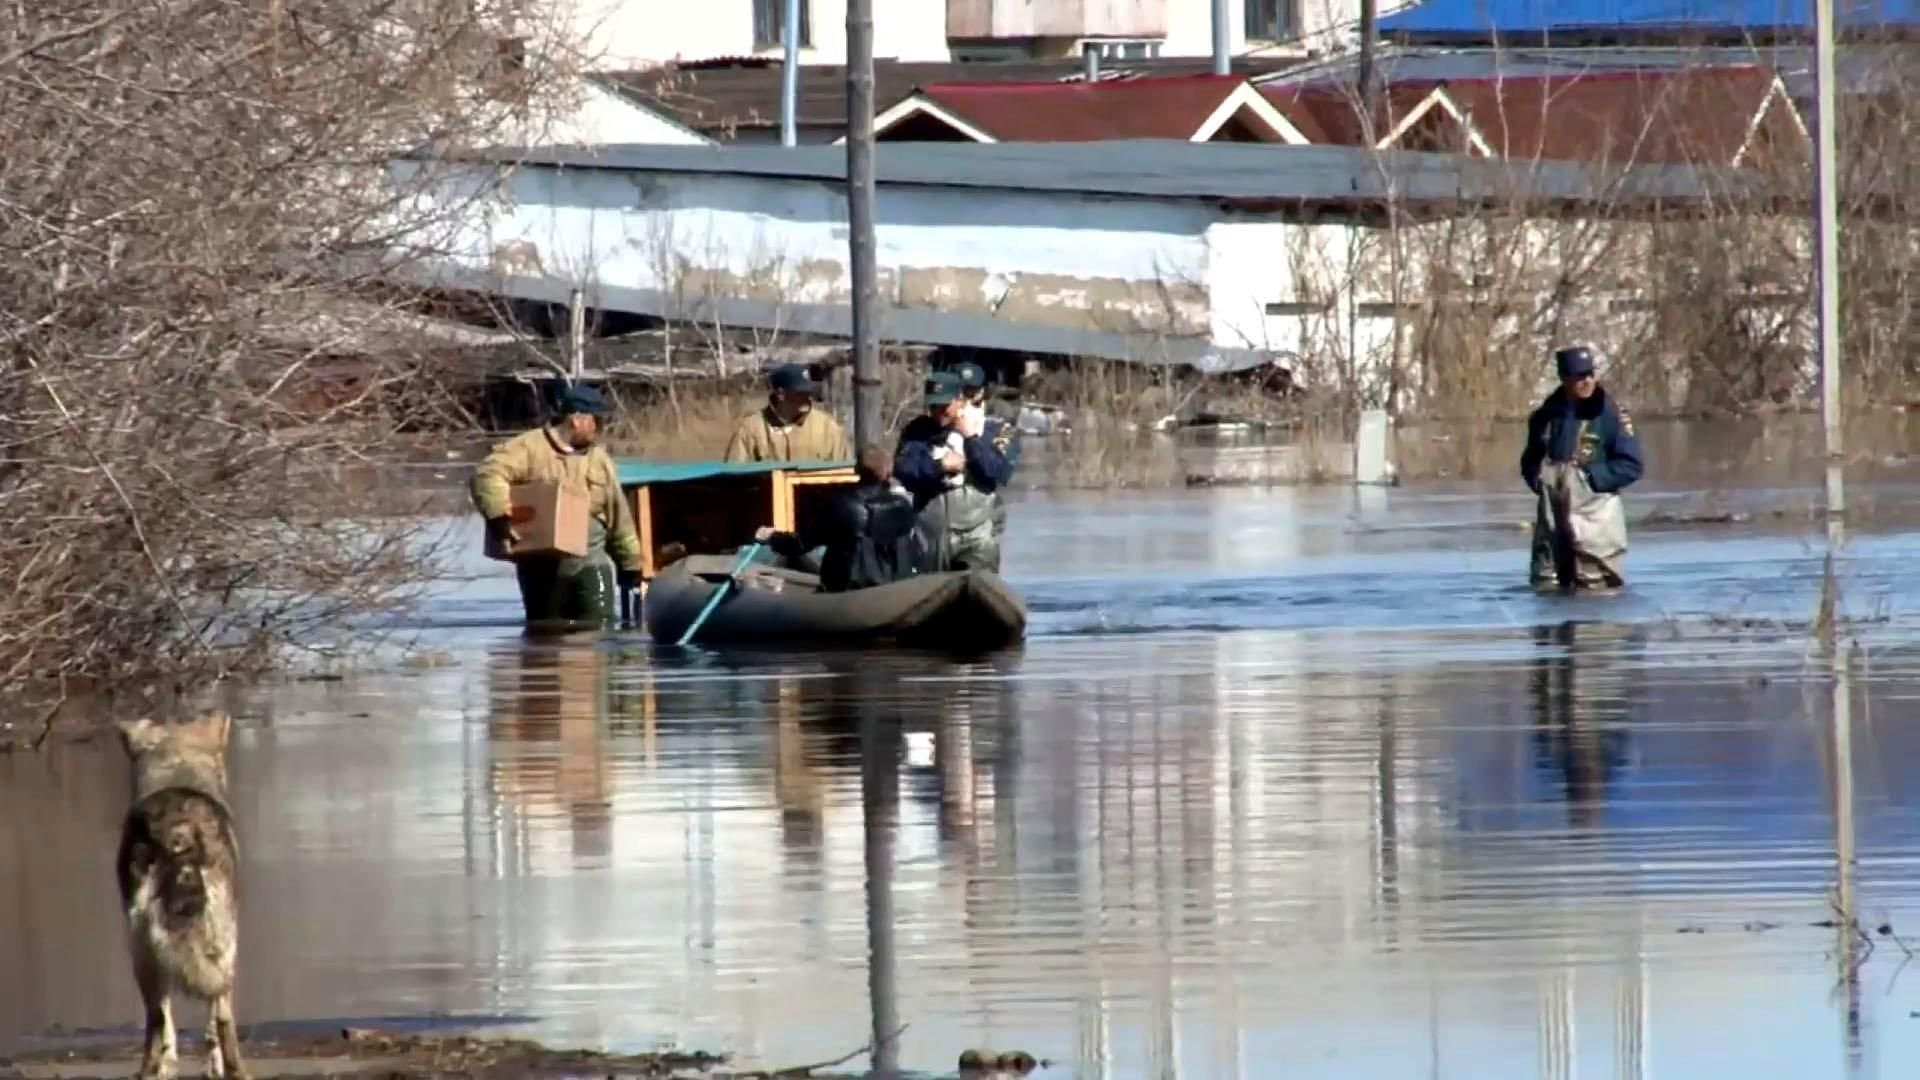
column 1296, row 782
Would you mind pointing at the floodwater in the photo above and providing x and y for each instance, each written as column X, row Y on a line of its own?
column 1296, row 783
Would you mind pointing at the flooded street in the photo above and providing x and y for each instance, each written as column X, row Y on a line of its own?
column 1297, row 782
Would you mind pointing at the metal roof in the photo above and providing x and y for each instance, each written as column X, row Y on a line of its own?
column 1541, row 19
column 1167, row 169
column 1860, row 68
column 722, row 100
column 1170, row 107
column 1700, row 114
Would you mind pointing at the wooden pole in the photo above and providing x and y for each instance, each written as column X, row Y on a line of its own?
column 1369, row 29
column 866, row 351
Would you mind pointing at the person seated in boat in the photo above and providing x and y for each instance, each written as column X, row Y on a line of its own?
column 789, row 427
column 953, row 460
column 869, row 530
column 564, row 588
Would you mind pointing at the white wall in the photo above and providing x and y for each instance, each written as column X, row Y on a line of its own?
column 625, row 34
column 1141, row 270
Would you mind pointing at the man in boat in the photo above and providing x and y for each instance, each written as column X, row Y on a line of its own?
column 1006, row 415
column 1581, row 453
column 789, row 427
column 565, row 588
column 953, row 460
column 869, row 530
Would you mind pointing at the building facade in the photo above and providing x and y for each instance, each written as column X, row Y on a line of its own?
column 629, row 34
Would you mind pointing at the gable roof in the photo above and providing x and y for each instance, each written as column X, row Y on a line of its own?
column 1191, row 107
column 1535, row 21
column 1333, row 114
column 742, row 98
column 1705, row 116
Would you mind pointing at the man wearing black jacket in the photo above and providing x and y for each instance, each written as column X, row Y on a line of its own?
column 868, row 530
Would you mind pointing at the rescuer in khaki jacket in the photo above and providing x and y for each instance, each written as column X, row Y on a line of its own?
column 789, row 427
column 565, row 588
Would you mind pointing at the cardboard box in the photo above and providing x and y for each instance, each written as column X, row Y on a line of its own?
column 551, row 519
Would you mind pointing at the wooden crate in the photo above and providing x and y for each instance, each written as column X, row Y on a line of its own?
column 713, row 514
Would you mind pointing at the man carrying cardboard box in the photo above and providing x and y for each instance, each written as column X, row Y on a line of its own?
column 557, row 581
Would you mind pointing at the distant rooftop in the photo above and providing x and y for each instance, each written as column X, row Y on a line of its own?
column 741, row 98
column 1861, row 68
column 1538, row 22
column 1246, row 175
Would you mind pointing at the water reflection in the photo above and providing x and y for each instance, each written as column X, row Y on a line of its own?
column 1582, row 686
column 1354, row 854
column 547, row 716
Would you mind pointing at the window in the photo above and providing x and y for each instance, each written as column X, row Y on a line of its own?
column 978, row 53
column 1122, row 50
column 1272, row 20
column 770, row 23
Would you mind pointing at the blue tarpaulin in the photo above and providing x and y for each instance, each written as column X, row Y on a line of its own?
column 1636, row 18
column 633, row 471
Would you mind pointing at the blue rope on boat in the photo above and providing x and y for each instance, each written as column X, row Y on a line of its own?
column 746, row 556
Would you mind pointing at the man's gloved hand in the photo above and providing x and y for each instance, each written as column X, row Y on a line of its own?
column 500, row 531
column 763, row 534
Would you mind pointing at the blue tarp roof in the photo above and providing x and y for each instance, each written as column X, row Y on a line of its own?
column 1521, row 18
column 633, row 471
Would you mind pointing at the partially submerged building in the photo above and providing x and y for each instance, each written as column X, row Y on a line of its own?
column 1220, row 256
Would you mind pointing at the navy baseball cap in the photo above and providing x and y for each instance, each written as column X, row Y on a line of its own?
column 793, row 379
column 1574, row 361
column 942, row 387
column 971, row 375
column 581, row 398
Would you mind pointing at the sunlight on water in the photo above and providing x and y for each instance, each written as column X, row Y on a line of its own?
column 1266, row 794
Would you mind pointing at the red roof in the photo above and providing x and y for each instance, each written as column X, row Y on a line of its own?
column 1698, row 116
column 1151, row 108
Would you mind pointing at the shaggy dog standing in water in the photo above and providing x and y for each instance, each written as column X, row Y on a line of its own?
column 177, row 863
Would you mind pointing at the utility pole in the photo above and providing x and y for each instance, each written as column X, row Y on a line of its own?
column 1369, row 29
column 1222, row 40
column 790, row 74
column 866, row 351
column 1826, row 239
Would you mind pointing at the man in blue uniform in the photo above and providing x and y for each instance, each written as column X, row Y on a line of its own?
column 952, row 461
column 1581, row 453
column 1002, row 429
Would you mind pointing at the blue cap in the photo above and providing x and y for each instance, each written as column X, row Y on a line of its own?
column 792, row 379
column 581, row 398
column 971, row 375
column 942, row 387
column 1574, row 361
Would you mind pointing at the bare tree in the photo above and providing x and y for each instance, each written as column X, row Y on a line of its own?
column 191, row 194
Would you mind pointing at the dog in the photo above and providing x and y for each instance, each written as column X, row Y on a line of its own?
column 177, row 866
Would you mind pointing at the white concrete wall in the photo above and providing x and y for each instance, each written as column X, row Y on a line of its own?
column 626, row 34
column 1128, row 279
column 1109, row 265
